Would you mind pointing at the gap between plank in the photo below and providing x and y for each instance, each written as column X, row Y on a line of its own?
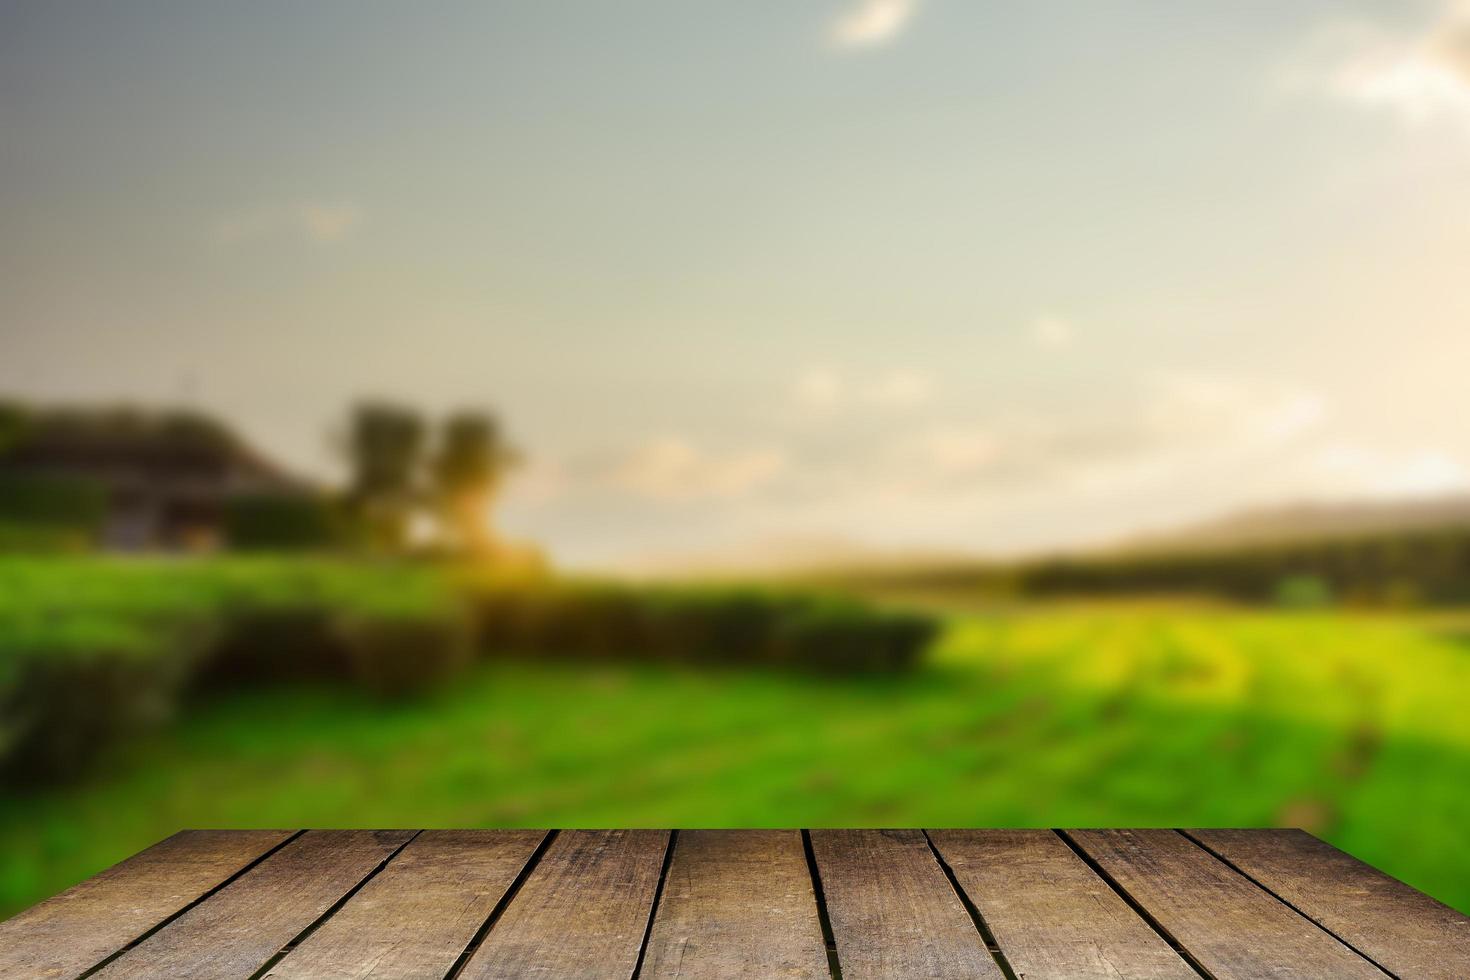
column 1255, row 881
column 1133, row 903
column 658, row 896
column 198, row 901
column 301, row 936
column 510, row 893
column 991, row 944
column 829, row 938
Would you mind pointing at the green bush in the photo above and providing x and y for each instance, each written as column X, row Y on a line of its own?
column 56, row 502
column 403, row 655
column 42, row 539
column 94, row 650
column 839, row 636
column 696, row 625
column 69, row 688
column 280, row 522
column 274, row 645
column 1303, row 592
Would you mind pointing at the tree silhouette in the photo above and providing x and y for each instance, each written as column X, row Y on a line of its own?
column 385, row 446
column 467, row 470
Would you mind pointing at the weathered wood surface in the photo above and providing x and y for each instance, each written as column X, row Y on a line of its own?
column 238, row 929
column 583, row 912
column 1050, row 913
column 893, row 911
column 64, row 936
column 646, row 904
column 1227, row 924
column 1403, row 930
column 737, row 903
column 415, row 917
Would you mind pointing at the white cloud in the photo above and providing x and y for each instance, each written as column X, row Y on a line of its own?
column 1178, row 426
column 1052, row 332
column 1179, row 445
column 901, row 389
column 329, row 222
column 959, row 450
column 1357, row 469
column 539, row 482
column 824, row 391
column 315, row 221
column 1210, row 409
column 1422, row 75
column 819, row 389
column 672, row 469
column 871, row 23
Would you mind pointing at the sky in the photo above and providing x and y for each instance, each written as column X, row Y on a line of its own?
column 912, row 274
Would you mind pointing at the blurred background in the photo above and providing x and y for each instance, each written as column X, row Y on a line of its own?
column 848, row 412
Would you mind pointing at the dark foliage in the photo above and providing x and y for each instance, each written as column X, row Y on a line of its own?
column 394, row 656
column 91, row 654
column 1408, row 568
column 281, row 522
column 55, row 501
column 718, row 626
column 57, row 712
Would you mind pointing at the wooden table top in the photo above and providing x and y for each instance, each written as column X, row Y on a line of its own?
column 764, row 903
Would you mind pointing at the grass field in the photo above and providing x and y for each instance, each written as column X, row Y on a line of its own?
column 1352, row 725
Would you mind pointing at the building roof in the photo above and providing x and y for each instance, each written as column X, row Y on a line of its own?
column 112, row 440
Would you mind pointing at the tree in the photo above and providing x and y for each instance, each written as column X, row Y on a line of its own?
column 385, row 447
column 14, row 419
column 467, row 471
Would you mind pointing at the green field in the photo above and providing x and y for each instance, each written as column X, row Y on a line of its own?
column 1353, row 725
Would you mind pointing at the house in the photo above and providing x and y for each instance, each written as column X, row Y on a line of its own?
column 133, row 479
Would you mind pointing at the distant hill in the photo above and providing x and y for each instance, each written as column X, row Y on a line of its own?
column 1286, row 524
column 1304, row 522
column 1371, row 553
column 792, row 556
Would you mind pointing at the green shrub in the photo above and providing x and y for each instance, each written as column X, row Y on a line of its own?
column 403, row 655
column 1303, row 592
column 69, row 689
column 696, row 625
column 281, row 522
column 93, row 650
column 42, row 539
column 274, row 645
column 52, row 500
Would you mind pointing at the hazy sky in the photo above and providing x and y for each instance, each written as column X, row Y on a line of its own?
column 946, row 273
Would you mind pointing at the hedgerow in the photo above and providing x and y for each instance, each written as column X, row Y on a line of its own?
column 93, row 651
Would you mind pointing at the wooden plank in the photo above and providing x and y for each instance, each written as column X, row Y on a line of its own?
column 582, row 913
column 1230, row 926
column 1051, row 915
column 66, row 935
column 417, row 915
column 1403, row 930
column 737, row 903
column 893, row 911
column 239, row 928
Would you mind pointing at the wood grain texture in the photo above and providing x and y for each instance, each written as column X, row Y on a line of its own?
column 239, row 928
column 1405, row 931
column 415, row 917
column 582, row 913
column 737, row 903
column 1050, row 913
column 337, row 904
column 73, row 932
column 1233, row 928
column 893, row 911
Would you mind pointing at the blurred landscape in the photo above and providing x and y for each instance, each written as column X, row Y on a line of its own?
column 180, row 645
column 863, row 412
